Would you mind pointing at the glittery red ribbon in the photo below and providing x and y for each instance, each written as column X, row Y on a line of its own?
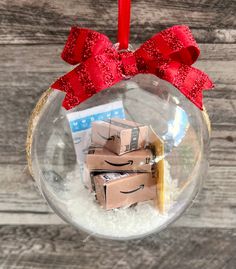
column 168, row 55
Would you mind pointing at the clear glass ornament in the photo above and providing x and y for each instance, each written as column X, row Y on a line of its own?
column 147, row 100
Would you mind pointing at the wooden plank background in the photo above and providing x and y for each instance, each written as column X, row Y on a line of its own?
column 32, row 35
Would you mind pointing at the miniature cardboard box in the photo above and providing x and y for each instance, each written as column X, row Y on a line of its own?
column 114, row 190
column 101, row 159
column 119, row 135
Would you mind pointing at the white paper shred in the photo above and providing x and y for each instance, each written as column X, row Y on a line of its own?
column 87, row 214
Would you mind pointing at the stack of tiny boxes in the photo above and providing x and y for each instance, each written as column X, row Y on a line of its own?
column 121, row 163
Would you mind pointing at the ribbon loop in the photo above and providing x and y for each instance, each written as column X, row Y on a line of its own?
column 176, row 43
column 168, row 55
column 83, row 44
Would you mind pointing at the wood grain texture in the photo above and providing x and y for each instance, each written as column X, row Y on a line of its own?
column 29, row 70
column 32, row 35
column 62, row 247
column 34, row 67
column 21, row 203
column 44, row 22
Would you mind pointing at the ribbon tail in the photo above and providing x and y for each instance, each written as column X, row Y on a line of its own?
column 193, row 90
column 209, row 85
column 63, row 84
column 189, row 80
column 88, row 78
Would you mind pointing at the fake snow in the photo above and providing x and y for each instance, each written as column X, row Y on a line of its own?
column 123, row 223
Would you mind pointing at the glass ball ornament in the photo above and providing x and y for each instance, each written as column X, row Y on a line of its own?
column 183, row 128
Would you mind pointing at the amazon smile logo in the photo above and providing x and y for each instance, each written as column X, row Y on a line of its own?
column 130, row 162
column 141, row 187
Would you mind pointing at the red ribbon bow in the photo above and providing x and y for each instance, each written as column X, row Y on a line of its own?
column 168, row 55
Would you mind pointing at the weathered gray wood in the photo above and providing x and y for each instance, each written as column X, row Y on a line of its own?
column 37, row 31
column 21, row 203
column 222, row 143
column 17, row 110
column 28, row 70
column 62, row 247
column 34, row 22
column 46, row 58
column 26, row 73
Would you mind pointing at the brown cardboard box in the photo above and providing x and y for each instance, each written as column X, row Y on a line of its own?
column 116, row 190
column 101, row 159
column 119, row 136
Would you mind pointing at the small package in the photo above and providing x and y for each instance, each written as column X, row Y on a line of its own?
column 119, row 135
column 101, row 159
column 114, row 190
column 80, row 126
column 81, row 123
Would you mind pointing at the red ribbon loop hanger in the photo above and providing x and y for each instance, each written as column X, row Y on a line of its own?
column 123, row 23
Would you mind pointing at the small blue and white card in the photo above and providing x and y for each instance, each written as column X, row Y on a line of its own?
column 81, row 121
